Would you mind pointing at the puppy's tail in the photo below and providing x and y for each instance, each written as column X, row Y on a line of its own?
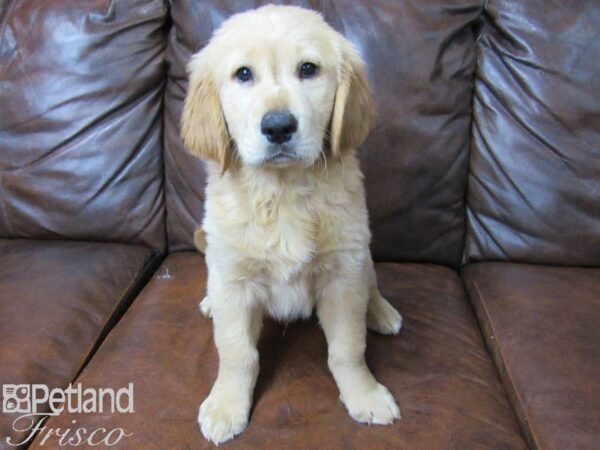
column 200, row 240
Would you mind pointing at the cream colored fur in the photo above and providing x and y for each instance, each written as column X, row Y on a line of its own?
column 285, row 238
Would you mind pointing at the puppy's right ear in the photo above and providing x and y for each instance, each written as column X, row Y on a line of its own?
column 203, row 126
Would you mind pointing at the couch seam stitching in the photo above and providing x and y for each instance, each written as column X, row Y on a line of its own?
column 127, row 293
column 505, row 366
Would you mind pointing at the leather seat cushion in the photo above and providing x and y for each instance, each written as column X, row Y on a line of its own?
column 58, row 300
column 437, row 368
column 542, row 325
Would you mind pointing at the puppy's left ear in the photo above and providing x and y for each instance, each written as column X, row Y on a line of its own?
column 354, row 109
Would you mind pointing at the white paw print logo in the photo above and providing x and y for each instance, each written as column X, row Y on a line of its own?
column 16, row 398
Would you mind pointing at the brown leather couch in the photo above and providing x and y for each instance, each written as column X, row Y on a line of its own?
column 483, row 182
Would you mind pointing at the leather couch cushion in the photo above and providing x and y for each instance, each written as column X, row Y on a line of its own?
column 420, row 58
column 57, row 300
column 542, row 325
column 81, row 87
column 437, row 368
column 534, row 180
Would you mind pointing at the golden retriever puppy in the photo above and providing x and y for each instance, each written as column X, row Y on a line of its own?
column 277, row 103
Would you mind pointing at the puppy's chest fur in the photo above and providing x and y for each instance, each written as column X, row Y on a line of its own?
column 287, row 224
column 271, row 227
column 284, row 232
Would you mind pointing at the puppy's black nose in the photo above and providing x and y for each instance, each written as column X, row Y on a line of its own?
column 278, row 126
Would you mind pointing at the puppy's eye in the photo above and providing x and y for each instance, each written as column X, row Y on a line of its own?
column 243, row 74
column 308, row 70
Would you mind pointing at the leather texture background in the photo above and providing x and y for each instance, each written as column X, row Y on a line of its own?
column 81, row 86
column 534, row 179
column 415, row 159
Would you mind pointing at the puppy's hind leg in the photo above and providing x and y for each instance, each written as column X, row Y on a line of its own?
column 381, row 316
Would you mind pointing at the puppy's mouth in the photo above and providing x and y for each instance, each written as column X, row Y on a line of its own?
column 281, row 155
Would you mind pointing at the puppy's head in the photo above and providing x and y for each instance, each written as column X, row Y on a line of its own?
column 276, row 87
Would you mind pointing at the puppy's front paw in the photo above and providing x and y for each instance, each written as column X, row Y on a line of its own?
column 376, row 406
column 205, row 307
column 383, row 317
column 221, row 419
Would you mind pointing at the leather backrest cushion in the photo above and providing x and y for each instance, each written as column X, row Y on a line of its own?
column 534, row 183
column 420, row 57
column 81, row 86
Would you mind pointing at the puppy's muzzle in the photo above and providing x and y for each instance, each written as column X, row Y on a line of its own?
column 278, row 126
